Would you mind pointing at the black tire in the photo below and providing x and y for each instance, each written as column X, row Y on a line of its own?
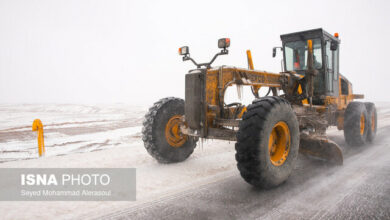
column 373, row 122
column 252, row 150
column 352, row 121
column 153, row 132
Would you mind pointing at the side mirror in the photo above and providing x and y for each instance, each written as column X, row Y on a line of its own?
column 334, row 45
column 184, row 50
column 224, row 43
column 274, row 51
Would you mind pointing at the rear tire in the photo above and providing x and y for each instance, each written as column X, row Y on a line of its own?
column 258, row 142
column 372, row 116
column 160, row 123
column 356, row 124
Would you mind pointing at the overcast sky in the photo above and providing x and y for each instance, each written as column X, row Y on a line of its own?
column 77, row 51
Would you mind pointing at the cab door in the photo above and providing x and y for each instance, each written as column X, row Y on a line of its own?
column 331, row 69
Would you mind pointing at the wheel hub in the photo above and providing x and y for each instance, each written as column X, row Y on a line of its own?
column 362, row 124
column 173, row 134
column 279, row 143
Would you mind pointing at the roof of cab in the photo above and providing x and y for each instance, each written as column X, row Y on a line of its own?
column 306, row 35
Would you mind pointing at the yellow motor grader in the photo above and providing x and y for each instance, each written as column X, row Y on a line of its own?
column 307, row 97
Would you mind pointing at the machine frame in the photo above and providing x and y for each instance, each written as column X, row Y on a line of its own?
column 207, row 116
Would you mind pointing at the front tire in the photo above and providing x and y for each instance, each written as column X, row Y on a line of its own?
column 267, row 142
column 356, row 124
column 372, row 116
column 161, row 133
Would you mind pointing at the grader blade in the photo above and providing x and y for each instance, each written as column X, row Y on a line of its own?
column 321, row 147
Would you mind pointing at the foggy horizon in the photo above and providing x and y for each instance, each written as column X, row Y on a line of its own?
column 86, row 52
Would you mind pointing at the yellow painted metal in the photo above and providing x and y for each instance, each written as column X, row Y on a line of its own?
column 310, row 46
column 38, row 127
column 242, row 112
column 362, row 124
column 219, row 80
column 279, row 143
column 341, row 102
column 299, row 89
column 300, row 92
column 172, row 132
column 250, row 61
column 251, row 67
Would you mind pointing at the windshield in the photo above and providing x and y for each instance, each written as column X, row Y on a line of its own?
column 296, row 55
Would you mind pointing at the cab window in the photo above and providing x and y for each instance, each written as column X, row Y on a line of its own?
column 296, row 55
column 329, row 67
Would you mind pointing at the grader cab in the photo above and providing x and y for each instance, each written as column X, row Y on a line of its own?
column 303, row 100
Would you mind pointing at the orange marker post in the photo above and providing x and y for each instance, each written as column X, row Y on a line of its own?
column 37, row 126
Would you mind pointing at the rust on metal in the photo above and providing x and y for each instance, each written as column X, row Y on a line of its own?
column 173, row 135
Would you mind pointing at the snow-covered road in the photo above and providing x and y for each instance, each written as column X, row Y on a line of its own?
column 207, row 185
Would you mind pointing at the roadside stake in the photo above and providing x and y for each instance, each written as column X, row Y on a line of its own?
column 37, row 126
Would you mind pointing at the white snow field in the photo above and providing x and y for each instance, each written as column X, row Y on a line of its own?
column 67, row 128
column 78, row 136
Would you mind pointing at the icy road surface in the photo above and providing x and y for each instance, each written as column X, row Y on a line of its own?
column 206, row 186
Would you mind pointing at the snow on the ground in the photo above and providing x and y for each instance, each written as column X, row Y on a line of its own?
column 211, row 161
column 76, row 136
column 67, row 128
